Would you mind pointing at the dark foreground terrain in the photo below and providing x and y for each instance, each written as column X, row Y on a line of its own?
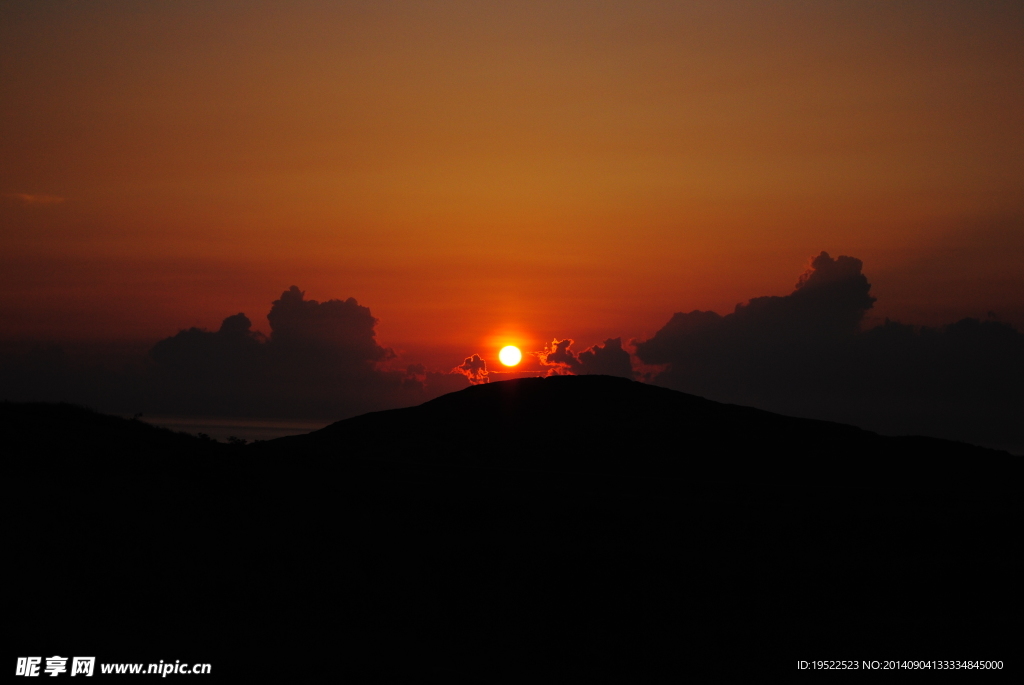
column 558, row 529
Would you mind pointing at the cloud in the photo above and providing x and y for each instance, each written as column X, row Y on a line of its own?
column 37, row 199
column 337, row 332
column 474, row 368
column 232, row 348
column 608, row 359
column 330, row 337
column 557, row 354
column 321, row 359
column 829, row 302
column 805, row 354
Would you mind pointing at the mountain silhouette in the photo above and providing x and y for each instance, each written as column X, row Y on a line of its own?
column 577, row 526
column 603, row 425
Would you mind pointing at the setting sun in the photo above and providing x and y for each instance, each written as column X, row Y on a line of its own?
column 510, row 355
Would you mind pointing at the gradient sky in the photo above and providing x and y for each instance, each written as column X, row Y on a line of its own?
column 478, row 173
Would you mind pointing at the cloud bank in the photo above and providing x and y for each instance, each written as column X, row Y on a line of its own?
column 608, row 359
column 805, row 354
column 321, row 359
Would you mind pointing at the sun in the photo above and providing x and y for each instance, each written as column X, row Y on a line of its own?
column 510, row 355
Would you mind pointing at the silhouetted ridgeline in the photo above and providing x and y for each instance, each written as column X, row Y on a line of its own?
column 613, row 426
column 576, row 526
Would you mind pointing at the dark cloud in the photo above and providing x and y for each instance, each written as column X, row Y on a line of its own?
column 231, row 349
column 608, row 359
column 415, row 376
column 828, row 304
column 805, row 354
column 557, row 355
column 321, row 359
column 336, row 332
column 474, row 368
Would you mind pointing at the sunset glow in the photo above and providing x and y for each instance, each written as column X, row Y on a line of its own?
column 569, row 335
column 439, row 181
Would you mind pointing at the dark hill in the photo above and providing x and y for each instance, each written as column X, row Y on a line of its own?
column 601, row 425
column 580, row 528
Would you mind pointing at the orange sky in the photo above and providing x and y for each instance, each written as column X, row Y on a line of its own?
column 477, row 171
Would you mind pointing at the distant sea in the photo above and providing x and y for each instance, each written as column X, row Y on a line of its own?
column 246, row 429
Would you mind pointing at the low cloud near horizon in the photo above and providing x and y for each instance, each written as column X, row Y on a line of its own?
column 321, row 360
column 807, row 353
column 606, row 359
column 474, row 368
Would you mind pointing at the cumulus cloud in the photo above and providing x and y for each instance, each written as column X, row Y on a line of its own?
column 608, row 359
column 474, row 368
column 828, row 303
column 769, row 340
column 557, row 355
column 232, row 348
column 321, row 359
column 336, row 330
column 805, row 353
